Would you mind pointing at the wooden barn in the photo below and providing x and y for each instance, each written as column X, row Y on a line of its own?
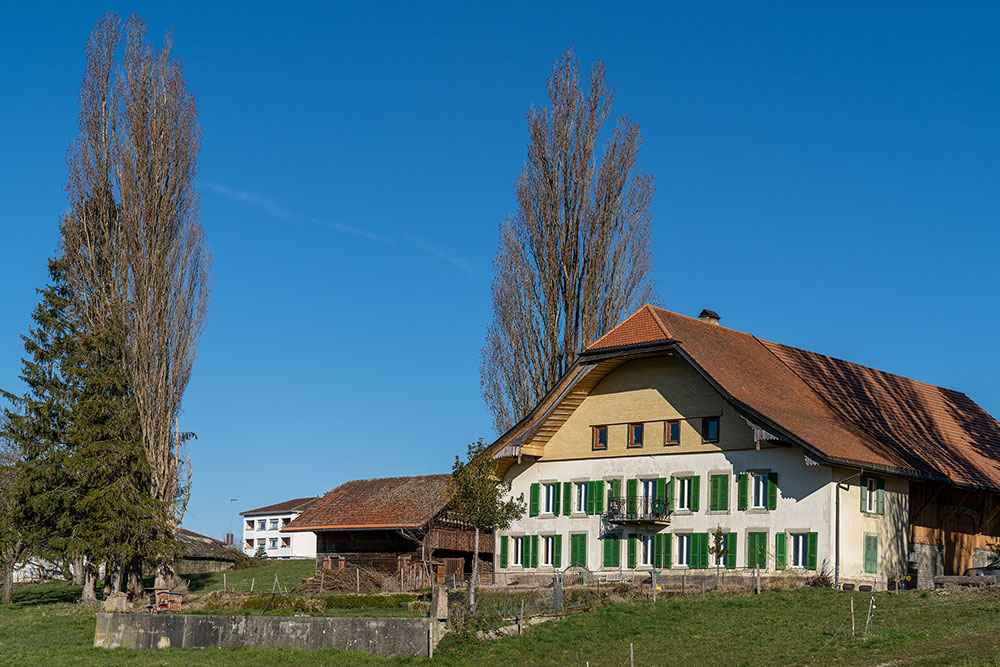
column 395, row 525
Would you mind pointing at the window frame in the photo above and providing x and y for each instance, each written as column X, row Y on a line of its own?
column 683, row 549
column 684, row 496
column 517, row 550
column 720, row 558
column 646, row 545
column 864, row 553
column 632, row 429
column 705, row 421
column 272, row 543
column 272, row 524
column 596, row 441
column 667, row 438
column 261, row 524
column 550, row 489
column 800, row 552
column 548, row 550
column 581, row 497
column 756, row 478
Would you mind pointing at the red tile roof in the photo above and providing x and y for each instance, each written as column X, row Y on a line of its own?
column 844, row 412
column 390, row 502
column 294, row 505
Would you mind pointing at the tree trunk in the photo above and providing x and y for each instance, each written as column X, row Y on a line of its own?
column 475, row 570
column 78, row 571
column 118, row 577
column 89, row 594
column 134, row 581
column 8, row 583
column 164, row 573
column 107, row 579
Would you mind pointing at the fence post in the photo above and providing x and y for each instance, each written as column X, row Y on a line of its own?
column 357, row 580
column 557, row 594
column 652, row 576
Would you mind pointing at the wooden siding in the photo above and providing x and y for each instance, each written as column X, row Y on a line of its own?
column 959, row 520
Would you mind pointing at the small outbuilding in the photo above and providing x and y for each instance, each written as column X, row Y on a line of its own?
column 202, row 553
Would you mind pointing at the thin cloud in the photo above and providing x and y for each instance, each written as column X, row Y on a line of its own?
column 272, row 207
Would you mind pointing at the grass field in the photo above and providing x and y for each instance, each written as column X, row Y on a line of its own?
column 805, row 626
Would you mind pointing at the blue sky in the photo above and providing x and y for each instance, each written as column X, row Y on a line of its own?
column 826, row 176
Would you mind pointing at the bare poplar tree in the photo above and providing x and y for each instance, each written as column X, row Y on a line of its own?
column 132, row 237
column 575, row 257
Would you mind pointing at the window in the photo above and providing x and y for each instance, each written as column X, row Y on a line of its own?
column 274, row 524
column 548, row 544
column 683, row 549
column 646, row 542
column 285, row 522
column 635, row 435
column 719, row 493
column 600, row 437
column 873, row 495
column 249, row 524
column 759, row 491
column 648, row 497
column 262, row 525
column 581, row 497
column 578, row 550
column 721, row 550
column 871, row 554
column 551, row 498
column 684, row 493
column 274, row 543
column 757, row 550
column 286, row 542
column 710, row 429
column 249, row 544
column 673, row 433
column 517, row 551
column 261, row 541
column 800, row 549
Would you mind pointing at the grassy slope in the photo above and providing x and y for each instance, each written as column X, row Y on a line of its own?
column 289, row 572
column 779, row 627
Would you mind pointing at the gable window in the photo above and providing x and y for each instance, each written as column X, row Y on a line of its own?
column 759, row 491
column 684, row 494
column 646, row 541
column 800, row 549
column 673, row 432
column 600, row 437
column 581, row 497
column 710, row 429
column 873, row 495
column 551, row 498
column 517, row 551
column 684, row 549
column 548, row 542
column 635, row 435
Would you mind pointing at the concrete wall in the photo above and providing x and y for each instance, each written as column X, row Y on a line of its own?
column 382, row 636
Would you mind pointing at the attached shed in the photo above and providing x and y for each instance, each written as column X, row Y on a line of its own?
column 202, row 554
column 394, row 525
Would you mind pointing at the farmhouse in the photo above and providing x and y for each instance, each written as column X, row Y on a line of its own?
column 393, row 525
column 669, row 430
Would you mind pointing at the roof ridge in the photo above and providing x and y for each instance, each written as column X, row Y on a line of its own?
column 656, row 318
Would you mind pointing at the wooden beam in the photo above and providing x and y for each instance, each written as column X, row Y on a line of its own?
column 927, row 504
column 987, row 519
column 954, row 510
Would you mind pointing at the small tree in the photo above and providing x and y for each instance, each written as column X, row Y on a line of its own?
column 261, row 553
column 718, row 548
column 481, row 497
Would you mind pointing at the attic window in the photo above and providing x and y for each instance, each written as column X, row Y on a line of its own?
column 710, row 429
column 673, row 434
column 635, row 435
column 600, row 437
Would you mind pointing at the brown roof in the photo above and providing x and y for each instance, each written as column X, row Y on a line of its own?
column 839, row 411
column 390, row 502
column 200, row 547
column 295, row 505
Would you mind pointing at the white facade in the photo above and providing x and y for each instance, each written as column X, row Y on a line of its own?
column 265, row 530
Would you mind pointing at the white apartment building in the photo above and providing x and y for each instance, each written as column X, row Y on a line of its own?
column 262, row 529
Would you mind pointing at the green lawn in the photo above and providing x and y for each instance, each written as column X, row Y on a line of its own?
column 289, row 573
column 807, row 626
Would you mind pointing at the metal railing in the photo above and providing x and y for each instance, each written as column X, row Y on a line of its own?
column 641, row 508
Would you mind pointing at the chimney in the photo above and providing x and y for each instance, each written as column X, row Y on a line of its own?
column 709, row 316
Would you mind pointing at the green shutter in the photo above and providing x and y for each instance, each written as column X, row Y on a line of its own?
column 731, row 551
column 555, row 499
column 661, row 491
column 780, row 550
column 631, row 492
column 618, row 552
column 871, row 554
column 757, row 550
column 534, row 551
column 671, row 493
column 533, row 502
column 695, row 493
column 607, row 552
column 713, row 492
column 880, row 499
column 583, row 550
column 699, row 550
column 590, row 498
column 813, row 541
column 632, row 544
column 572, row 550
column 772, row 490
column 668, row 550
column 599, row 497
column 616, row 489
column 741, row 501
column 557, row 551
column 567, row 499
column 658, row 550
column 504, row 540
column 864, row 494
column 724, row 492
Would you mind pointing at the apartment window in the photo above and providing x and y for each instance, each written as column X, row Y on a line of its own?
column 274, row 543
column 759, row 491
column 285, row 522
column 581, row 497
column 646, row 552
column 600, row 437
column 517, row 551
column 261, row 542
column 262, row 525
column 548, row 544
column 800, row 549
column 250, row 524
column 710, row 429
column 871, row 554
column 635, row 435
column 551, row 498
column 683, row 549
column 249, row 544
column 286, row 542
column 648, row 496
column 684, row 494
column 673, row 434
column 274, row 524
column 720, row 555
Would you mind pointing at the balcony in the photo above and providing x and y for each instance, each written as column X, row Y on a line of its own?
column 637, row 511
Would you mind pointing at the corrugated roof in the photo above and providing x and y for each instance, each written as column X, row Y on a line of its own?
column 295, row 505
column 390, row 502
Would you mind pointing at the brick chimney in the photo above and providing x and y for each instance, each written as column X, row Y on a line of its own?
column 709, row 316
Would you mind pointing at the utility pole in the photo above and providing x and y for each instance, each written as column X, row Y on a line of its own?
column 229, row 536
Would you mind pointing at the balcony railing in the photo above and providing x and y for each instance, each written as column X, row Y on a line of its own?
column 637, row 510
